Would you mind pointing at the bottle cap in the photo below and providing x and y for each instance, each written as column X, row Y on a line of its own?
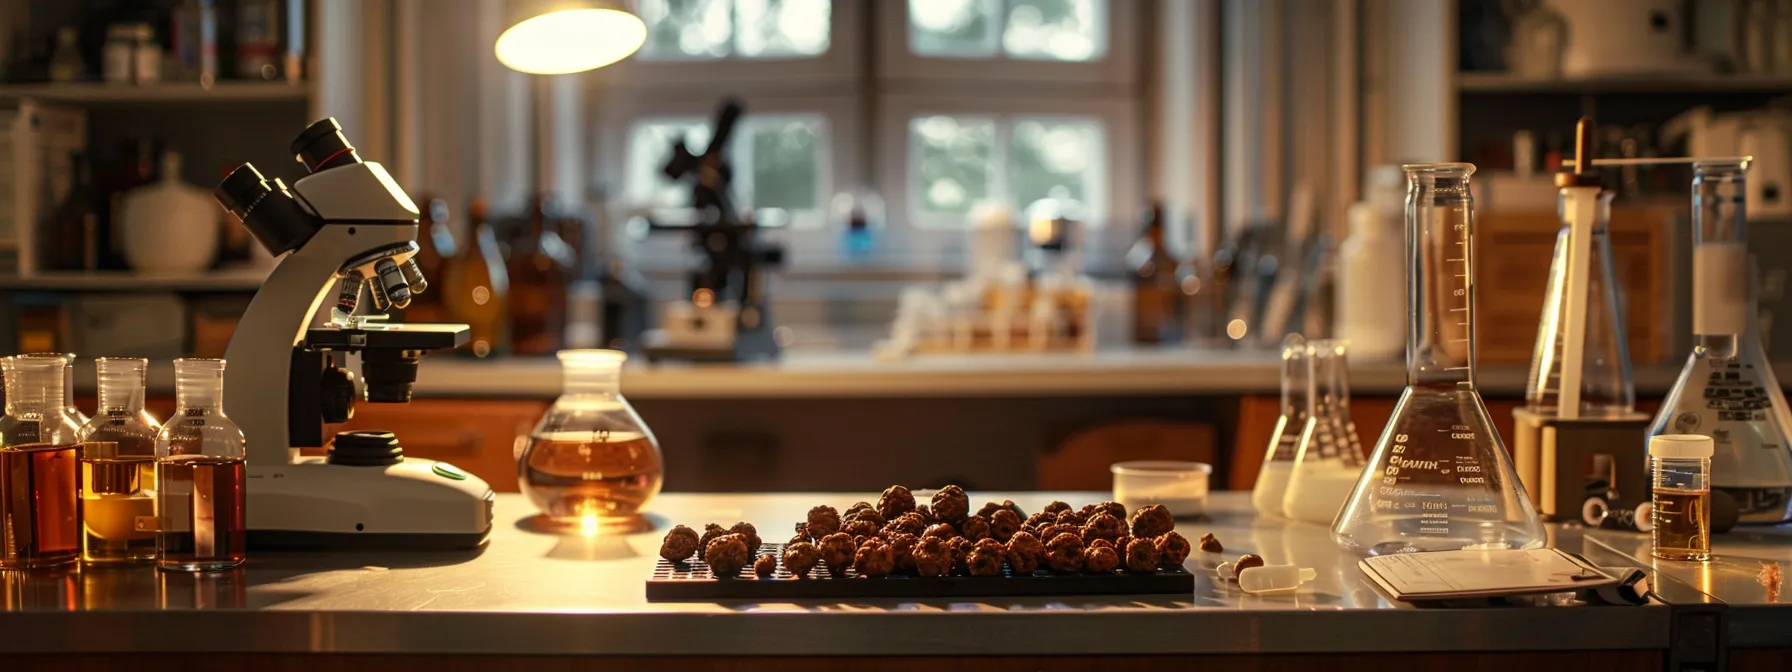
column 1687, row 446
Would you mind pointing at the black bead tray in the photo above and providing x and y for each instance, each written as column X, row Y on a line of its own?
column 692, row 581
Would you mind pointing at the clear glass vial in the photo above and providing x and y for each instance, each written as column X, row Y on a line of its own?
column 118, row 468
column 591, row 463
column 1680, row 471
column 40, row 488
column 200, row 459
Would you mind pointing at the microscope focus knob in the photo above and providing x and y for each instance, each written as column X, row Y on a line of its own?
column 337, row 396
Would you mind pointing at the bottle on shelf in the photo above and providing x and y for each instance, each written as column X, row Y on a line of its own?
column 195, row 41
column 118, row 459
column 65, row 63
column 146, row 55
column 539, row 269
column 1156, row 285
column 435, row 246
column 478, row 288
column 40, row 508
column 200, row 457
column 74, row 229
column 118, row 55
column 258, row 39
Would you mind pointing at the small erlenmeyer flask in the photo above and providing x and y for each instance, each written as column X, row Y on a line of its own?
column 1605, row 389
column 1329, row 462
column 1728, row 390
column 1293, row 427
column 1440, row 478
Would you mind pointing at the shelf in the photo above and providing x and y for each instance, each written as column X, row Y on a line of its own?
column 114, row 281
column 1483, row 82
column 170, row 92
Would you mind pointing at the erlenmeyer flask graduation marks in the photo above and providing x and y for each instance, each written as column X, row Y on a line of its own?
column 1294, row 427
column 1440, row 478
column 1328, row 463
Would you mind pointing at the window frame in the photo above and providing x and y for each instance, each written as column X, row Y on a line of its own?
column 840, row 65
column 1118, row 65
column 913, row 243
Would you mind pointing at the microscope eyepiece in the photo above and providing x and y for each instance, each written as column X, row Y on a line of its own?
column 266, row 208
column 322, row 146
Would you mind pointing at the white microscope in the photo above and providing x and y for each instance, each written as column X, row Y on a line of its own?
column 347, row 224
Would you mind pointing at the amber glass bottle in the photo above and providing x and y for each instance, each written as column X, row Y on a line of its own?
column 1156, row 285
column 478, row 287
column 435, row 246
column 539, row 267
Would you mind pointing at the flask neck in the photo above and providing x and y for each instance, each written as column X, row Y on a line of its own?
column 198, row 384
column 591, row 373
column 122, row 384
column 34, row 386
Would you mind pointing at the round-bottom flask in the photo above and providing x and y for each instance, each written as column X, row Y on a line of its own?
column 591, row 463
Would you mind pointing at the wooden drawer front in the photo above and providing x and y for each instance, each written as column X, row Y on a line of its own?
column 479, row 436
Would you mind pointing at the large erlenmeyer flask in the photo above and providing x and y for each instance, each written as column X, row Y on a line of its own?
column 1329, row 461
column 1293, row 427
column 1728, row 390
column 1440, row 478
column 1606, row 390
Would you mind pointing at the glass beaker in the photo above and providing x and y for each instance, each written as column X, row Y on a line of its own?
column 1328, row 463
column 40, row 505
column 200, row 460
column 118, row 467
column 1293, row 427
column 1727, row 389
column 1440, row 477
column 591, row 463
column 1606, row 388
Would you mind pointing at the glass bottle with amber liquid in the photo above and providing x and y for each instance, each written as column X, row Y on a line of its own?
column 200, row 456
column 40, row 488
column 435, row 246
column 539, row 268
column 479, row 288
column 1156, row 285
column 118, row 468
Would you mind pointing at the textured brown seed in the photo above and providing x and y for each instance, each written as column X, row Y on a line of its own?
column 1248, row 561
column 1211, row 544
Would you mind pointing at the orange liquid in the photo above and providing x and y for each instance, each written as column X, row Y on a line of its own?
column 40, row 505
column 199, row 510
column 576, row 475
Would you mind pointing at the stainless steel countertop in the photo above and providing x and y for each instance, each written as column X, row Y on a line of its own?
column 1757, row 616
column 535, row 593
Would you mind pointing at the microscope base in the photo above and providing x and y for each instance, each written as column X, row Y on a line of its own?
column 414, row 504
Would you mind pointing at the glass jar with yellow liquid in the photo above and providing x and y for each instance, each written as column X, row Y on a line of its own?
column 118, row 468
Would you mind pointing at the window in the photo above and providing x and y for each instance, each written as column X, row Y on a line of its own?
column 781, row 166
column 956, row 162
column 713, row 29
column 1052, row 30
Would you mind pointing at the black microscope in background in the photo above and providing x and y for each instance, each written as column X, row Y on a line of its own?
column 727, row 314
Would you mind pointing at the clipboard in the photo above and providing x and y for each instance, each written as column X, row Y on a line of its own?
column 1454, row 575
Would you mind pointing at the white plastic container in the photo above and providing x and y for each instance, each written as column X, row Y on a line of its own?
column 170, row 227
column 1371, row 273
column 1180, row 486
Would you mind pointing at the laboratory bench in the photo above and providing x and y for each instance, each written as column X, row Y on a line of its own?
column 554, row 601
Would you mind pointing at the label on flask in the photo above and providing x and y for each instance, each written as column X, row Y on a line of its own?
column 1720, row 302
